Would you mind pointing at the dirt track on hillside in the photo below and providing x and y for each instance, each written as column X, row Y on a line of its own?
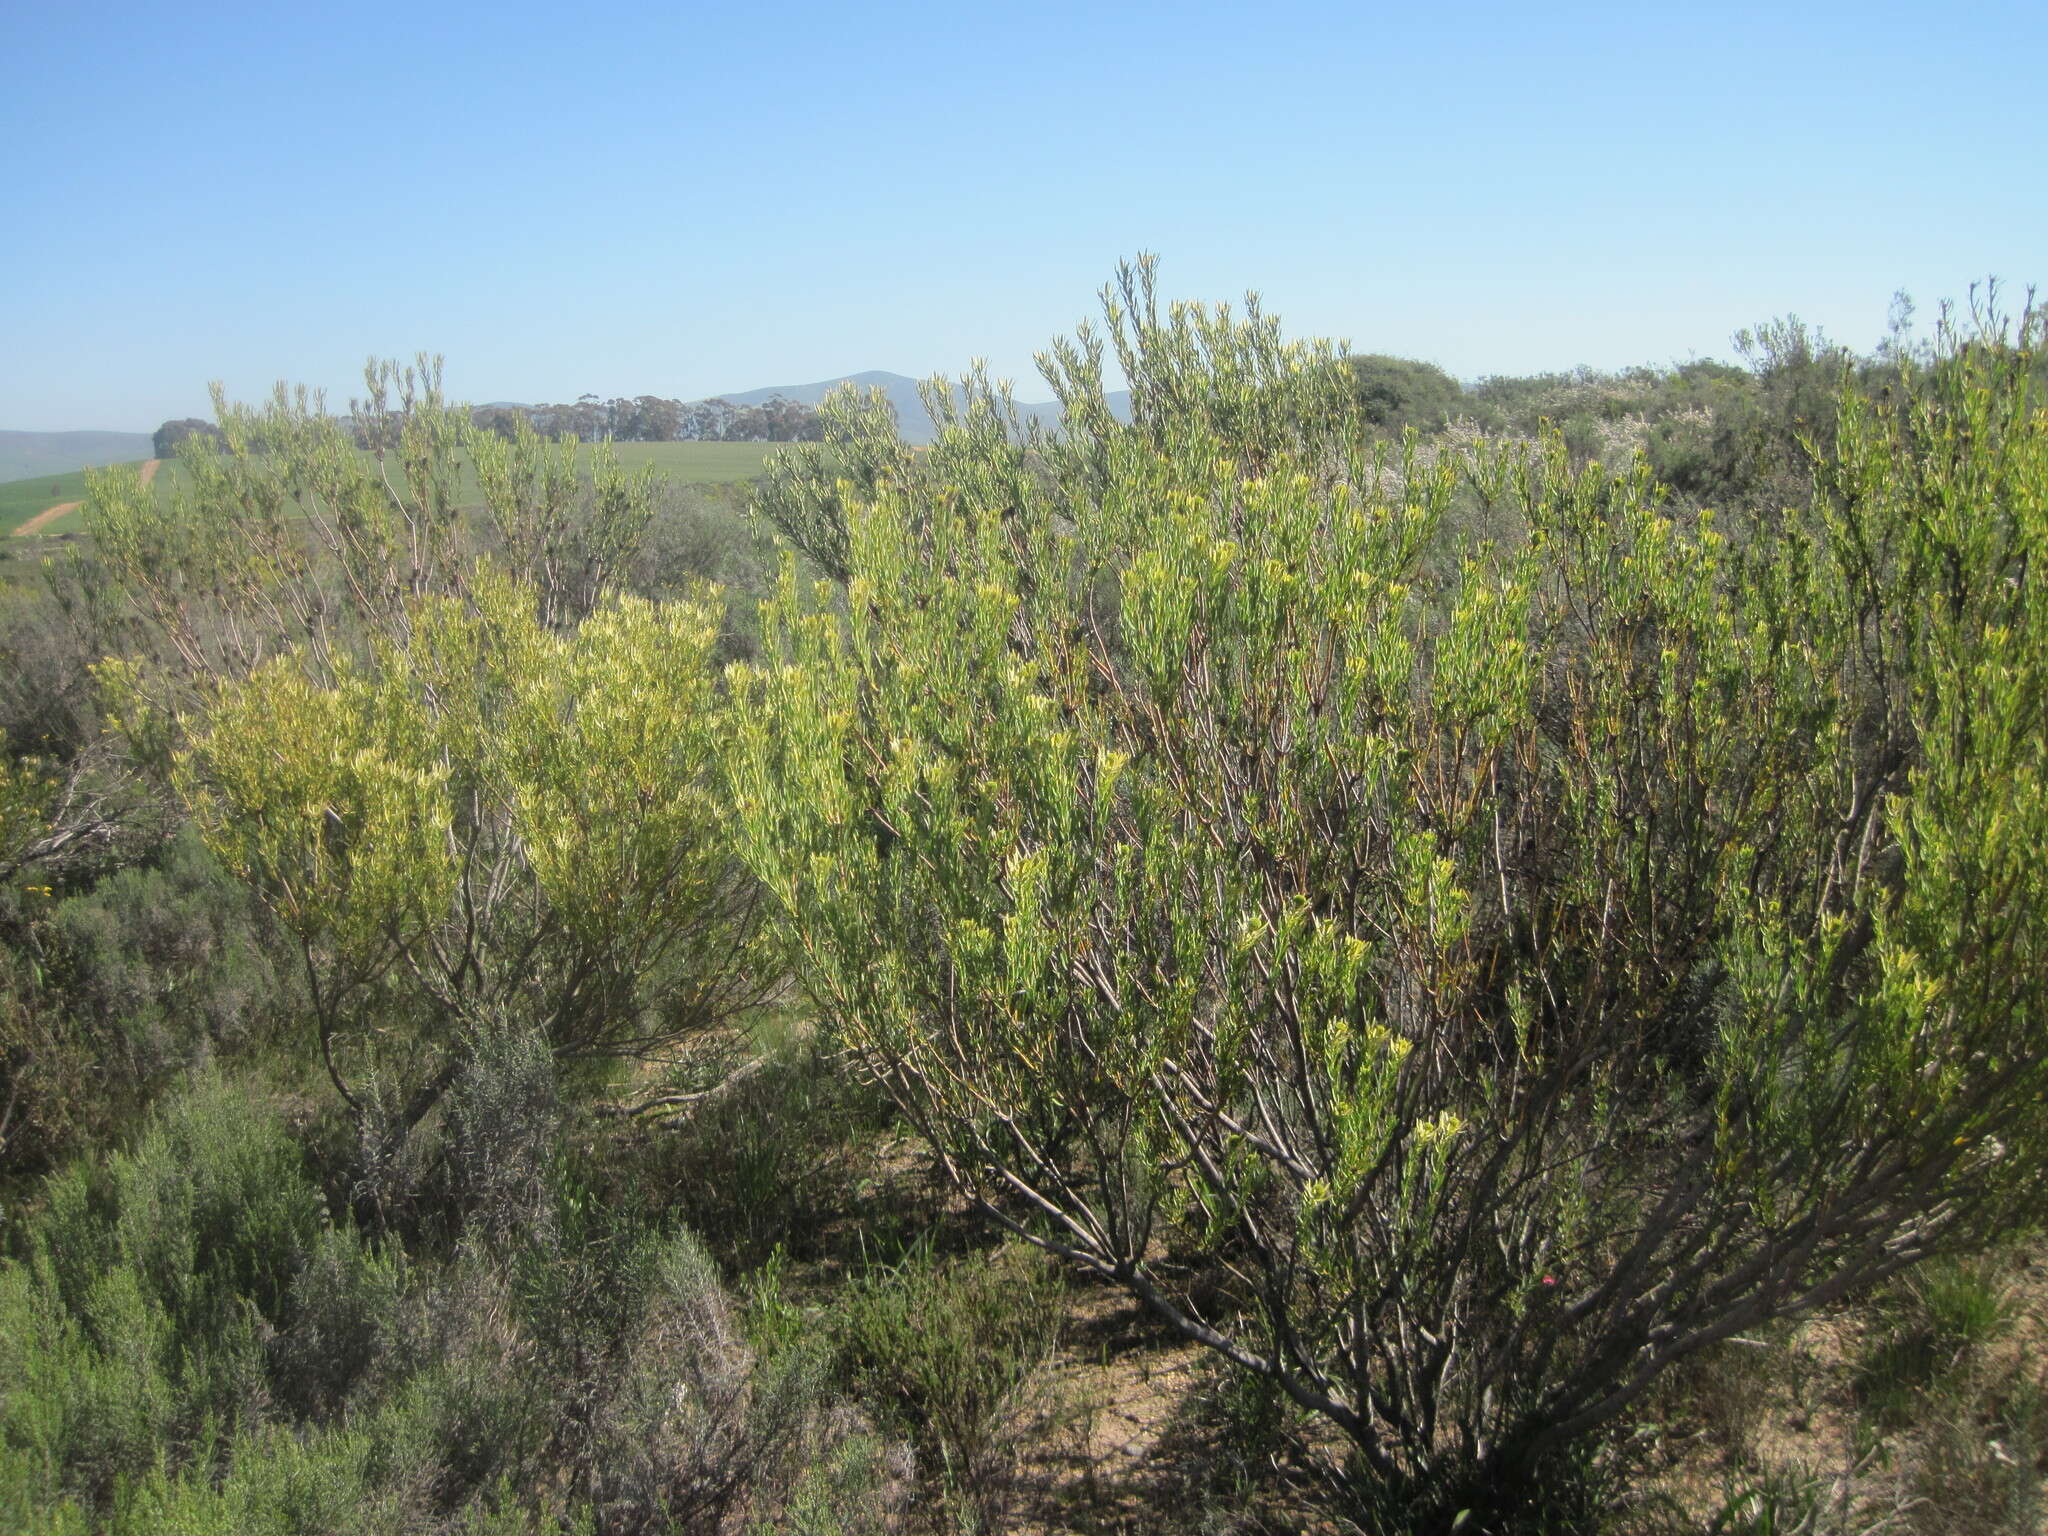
column 49, row 515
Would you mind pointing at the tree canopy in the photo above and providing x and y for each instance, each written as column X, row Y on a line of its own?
column 1400, row 392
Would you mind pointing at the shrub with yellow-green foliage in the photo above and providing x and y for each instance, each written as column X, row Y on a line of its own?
column 490, row 825
column 26, row 793
column 1503, row 970
column 294, row 529
column 477, row 793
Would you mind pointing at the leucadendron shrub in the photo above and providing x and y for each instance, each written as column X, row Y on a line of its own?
column 1511, row 968
column 488, row 826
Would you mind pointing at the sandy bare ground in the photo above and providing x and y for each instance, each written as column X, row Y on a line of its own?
column 49, row 515
column 43, row 519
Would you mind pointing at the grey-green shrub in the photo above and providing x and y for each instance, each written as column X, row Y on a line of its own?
column 163, row 965
column 136, row 1312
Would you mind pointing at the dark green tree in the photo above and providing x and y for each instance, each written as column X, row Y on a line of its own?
column 167, row 437
column 1395, row 393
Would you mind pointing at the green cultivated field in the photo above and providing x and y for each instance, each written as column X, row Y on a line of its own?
column 683, row 463
column 699, row 463
column 21, row 500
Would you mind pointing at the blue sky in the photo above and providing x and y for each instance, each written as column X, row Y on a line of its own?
column 685, row 199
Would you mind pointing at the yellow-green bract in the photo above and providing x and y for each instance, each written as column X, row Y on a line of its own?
column 489, row 824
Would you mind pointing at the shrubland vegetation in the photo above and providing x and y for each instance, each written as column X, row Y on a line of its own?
column 641, row 419
column 531, row 1002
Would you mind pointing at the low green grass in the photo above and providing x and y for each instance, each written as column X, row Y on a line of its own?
column 699, row 463
column 683, row 463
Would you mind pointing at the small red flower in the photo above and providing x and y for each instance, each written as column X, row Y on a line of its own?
column 1550, row 1279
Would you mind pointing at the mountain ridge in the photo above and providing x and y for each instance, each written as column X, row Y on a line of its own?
column 24, row 455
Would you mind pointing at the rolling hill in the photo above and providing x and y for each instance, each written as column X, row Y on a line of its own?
column 681, row 463
column 24, row 455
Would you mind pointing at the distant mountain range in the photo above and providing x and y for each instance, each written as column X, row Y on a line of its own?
column 24, row 455
column 902, row 393
column 900, row 388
